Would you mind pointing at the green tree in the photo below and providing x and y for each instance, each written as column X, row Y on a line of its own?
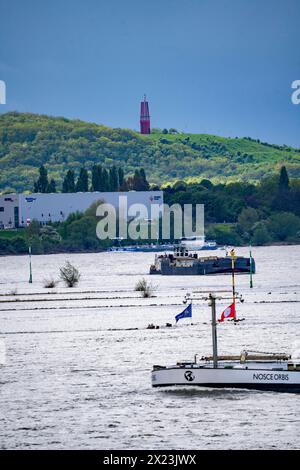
column 138, row 181
column 42, row 183
column 69, row 182
column 284, row 181
column 261, row 235
column 180, row 186
column 283, row 198
column 145, row 183
column 51, row 186
column 18, row 245
column 247, row 218
column 283, row 225
column 82, row 184
column 97, row 178
column 105, row 180
column 120, row 177
column 5, row 246
column 206, row 184
column 125, row 185
column 113, row 179
column 223, row 235
column 266, row 192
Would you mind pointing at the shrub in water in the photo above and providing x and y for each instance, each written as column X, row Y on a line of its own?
column 50, row 283
column 146, row 288
column 69, row 274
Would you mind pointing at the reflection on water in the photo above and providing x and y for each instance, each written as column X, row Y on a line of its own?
column 193, row 391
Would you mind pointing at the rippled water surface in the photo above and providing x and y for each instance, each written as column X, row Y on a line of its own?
column 78, row 361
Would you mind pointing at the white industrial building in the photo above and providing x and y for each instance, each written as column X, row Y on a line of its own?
column 18, row 210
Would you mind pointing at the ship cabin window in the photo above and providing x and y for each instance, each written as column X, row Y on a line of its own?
column 1, row 209
column 293, row 366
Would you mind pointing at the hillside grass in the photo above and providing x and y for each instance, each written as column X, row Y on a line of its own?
column 30, row 140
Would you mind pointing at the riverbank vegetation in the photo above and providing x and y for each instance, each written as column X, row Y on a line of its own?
column 242, row 213
column 235, row 214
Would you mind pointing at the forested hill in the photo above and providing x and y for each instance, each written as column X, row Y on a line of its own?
column 29, row 140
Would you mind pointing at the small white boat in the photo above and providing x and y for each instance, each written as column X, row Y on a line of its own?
column 197, row 243
column 259, row 371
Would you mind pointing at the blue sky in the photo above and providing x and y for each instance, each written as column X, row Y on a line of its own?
column 210, row 66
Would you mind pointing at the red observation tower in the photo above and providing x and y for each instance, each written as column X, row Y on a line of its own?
column 145, row 117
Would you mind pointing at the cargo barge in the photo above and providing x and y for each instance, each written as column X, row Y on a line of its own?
column 182, row 262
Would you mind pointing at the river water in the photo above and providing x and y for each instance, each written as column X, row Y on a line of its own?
column 77, row 372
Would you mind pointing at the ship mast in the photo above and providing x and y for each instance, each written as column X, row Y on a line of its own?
column 232, row 254
column 212, row 299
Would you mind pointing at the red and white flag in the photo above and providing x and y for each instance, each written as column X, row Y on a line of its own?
column 229, row 312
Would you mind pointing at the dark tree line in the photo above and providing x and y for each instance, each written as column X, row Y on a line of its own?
column 99, row 179
column 241, row 213
column 42, row 184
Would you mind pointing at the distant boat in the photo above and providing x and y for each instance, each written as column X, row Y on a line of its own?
column 121, row 249
column 142, row 248
column 259, row 371
column 197, row 243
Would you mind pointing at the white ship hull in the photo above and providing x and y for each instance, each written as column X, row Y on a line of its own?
column 250, row 370
column 259, row 378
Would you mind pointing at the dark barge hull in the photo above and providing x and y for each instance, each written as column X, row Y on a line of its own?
column 204, row 267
